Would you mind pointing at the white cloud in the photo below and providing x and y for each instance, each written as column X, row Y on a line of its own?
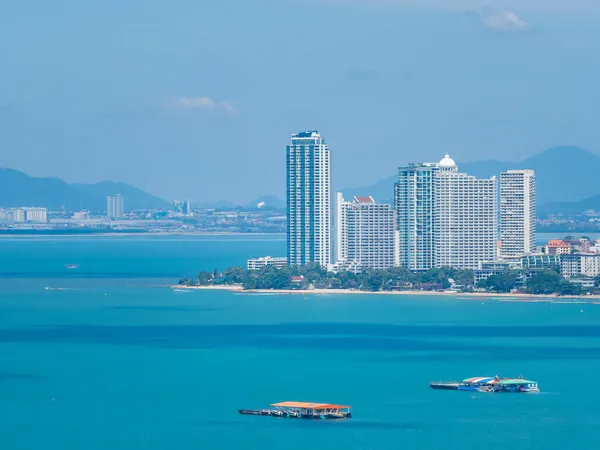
column 228, row 107
column 503, row 20
column 207, row 103
column 533, row 6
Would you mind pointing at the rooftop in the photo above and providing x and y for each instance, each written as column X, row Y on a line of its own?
column 515, row 381
column 309, row 405
column 368, row 199
column 306, row 134
column 557, row 243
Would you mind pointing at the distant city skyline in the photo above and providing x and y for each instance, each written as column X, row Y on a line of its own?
column 204, row 93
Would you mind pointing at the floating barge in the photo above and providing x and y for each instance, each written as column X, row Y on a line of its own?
column 488, row 384
column 302, row 410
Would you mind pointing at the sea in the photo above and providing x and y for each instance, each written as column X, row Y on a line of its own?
column 107, row 356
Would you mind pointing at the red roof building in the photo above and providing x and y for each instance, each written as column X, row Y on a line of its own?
column 558, row 247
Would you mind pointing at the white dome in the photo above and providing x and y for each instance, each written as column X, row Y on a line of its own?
column 447, row 162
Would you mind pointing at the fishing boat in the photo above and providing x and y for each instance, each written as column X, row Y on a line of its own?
column 302, row 410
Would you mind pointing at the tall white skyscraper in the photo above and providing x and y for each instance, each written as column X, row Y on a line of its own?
column 308, row 197
column 465, row 218
column 413, row 200
column 366, row 236
column 115, row 206
column 517, row 213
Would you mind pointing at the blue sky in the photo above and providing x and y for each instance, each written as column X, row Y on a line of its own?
column 197, row 99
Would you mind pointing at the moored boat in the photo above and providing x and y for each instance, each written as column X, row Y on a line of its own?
column 475, row 383
column 489, row 384
column 516, row 385
column 302, row 410
column 444, row 385
column 255, row 412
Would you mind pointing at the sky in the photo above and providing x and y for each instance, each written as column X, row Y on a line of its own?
column 197, row 98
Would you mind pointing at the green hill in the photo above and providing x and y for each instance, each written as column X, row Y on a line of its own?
column 20, row 189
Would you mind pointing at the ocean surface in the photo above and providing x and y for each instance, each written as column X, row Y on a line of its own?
column 106, row 357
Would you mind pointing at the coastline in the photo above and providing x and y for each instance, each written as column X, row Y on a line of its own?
column 135, row 234
column 463, row 295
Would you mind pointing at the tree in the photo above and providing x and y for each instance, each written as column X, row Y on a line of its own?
column 205, row 278
column 375, row 279
column 504, row 282
column 234, row 274
column 464, row 278
column 336, row 283
column 545, row 282
column 567, row 288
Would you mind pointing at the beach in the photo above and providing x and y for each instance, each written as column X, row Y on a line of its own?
column 465, row 295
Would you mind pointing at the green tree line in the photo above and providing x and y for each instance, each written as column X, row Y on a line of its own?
column 548, row 281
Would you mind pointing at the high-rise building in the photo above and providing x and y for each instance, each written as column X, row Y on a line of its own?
column 366, row 234
column 308, row 196
column 517, row 213
column 182, row 206
column 465, row 218
column 413, row 200
column 115, row 206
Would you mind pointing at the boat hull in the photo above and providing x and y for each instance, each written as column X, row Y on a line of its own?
column 444, row 386
column 254, row 412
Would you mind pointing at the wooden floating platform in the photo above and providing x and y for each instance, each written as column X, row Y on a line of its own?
column 302, row 410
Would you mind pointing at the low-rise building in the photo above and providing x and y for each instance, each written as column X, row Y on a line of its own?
column 18, row 215
column 81, row 215
column 258, row 263
column 558, row 247
column 488, row 268
column 585, row 283
column 580, row 264
column 540, row 261
column 29, row 214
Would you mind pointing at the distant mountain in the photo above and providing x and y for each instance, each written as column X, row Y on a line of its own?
column 135, row 198
column 569, row 208
column 19, row 189
column 216, row 204
column 563, row 174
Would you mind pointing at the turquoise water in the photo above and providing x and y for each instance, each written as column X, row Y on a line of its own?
column 106, row 358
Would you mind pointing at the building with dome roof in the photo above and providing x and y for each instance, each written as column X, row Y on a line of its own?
column 465, row 218
column 447, row 163
column 445, row 218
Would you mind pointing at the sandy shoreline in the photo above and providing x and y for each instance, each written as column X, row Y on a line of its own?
column 463, row 295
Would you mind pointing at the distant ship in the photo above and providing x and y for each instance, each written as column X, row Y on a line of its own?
column 72, row 266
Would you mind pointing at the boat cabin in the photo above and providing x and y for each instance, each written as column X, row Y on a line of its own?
column 516, row 385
